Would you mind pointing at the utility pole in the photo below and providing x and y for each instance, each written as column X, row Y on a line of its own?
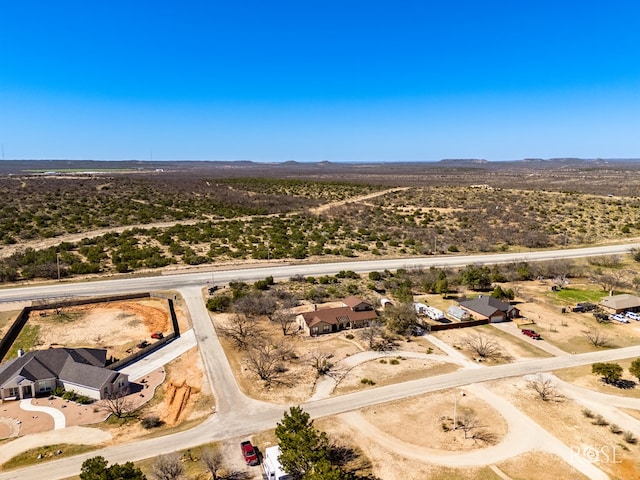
column 58, row 264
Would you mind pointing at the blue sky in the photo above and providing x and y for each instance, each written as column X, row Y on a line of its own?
column 312, row 81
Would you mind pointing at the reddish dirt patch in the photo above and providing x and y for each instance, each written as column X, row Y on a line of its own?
column 116, row 326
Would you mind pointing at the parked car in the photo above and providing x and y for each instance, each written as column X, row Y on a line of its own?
column 584, row 307
column 249, row 453
column 619, row 318
column 531, row 334
column 633, row 316
column 157, row 335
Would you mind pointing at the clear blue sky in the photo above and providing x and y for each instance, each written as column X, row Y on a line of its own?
column 324, row 80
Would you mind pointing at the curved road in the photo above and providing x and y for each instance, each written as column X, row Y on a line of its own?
column 239, row 415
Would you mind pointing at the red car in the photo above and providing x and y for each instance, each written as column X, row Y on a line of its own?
column 249, row 453
column 531, row 333
column 157, row 335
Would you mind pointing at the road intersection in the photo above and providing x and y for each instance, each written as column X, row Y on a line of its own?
column 237, row 414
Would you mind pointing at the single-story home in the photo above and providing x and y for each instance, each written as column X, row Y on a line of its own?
column 354, row 313
column 621, row 303
column 485, row 307
column 82, row 370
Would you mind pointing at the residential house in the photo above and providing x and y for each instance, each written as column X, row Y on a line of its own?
column 354, row 313
column 82, row 370
column 485, row 307
column 620, row 303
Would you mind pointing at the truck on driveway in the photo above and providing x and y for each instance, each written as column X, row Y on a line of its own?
column 249, row 453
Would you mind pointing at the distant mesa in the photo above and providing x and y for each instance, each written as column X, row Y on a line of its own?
column 463, row 161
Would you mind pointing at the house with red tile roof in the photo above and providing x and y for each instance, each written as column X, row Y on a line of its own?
column 354, row 313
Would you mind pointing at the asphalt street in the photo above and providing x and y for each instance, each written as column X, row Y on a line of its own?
column 236, row 414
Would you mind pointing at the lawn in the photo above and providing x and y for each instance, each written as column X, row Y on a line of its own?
column 576, row 295
column 27, row 340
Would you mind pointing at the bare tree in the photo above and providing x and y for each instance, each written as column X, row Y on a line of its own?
column 213, row 461
column 611, row 261
column 286, row 319
column 265, row 360
column 167, row 467
column 240, row 329
column 468, row 422
column 482, row 345
column 258, row 303
column 609, row 281
column 596, row 337
column 117, row 403
column 371, row 334
column 319, row 360
column 544, row 387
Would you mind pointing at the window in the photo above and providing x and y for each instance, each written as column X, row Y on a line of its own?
column 314, row 329
column 326, row 328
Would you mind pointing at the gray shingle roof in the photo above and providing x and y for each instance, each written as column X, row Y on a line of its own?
column 485, row 305
column 82, row 366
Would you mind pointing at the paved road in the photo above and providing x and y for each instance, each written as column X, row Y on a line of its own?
column 238, row 415
column 159, row 358
column 174, row 281
column 238, row 422
column 512, row 329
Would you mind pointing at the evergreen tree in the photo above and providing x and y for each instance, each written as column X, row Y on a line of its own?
column 302, row 446
column 97, row 468
column 634, row 369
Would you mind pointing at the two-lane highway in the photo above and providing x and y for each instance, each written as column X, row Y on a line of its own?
column 175, row 281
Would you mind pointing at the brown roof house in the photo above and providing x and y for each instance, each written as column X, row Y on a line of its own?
column 620, row 303
column 485, row 307
column 355, row 313
column 79, row 369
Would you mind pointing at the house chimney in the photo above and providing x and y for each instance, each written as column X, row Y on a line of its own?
column 315, row 307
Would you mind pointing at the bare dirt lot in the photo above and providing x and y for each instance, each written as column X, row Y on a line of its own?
column 565, row 420
column 115, row 326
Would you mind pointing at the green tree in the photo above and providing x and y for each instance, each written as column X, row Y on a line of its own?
column 96, row 468
column 475, row 277
column 302, row 446
column 611, row 372
column 325, row 470
column 401, row 318
column 501, row 294
column 634, row 369
column 442, row 284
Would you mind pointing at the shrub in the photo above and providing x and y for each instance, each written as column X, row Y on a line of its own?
column 615, row 429
column 600, row 421
column 394, row 361
column 349, row 336
column 69, row 395
column 151, row 421
column 219, row 303
column 630, row 438
column 587, row 413
column 382, row 360
column 367, row 381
